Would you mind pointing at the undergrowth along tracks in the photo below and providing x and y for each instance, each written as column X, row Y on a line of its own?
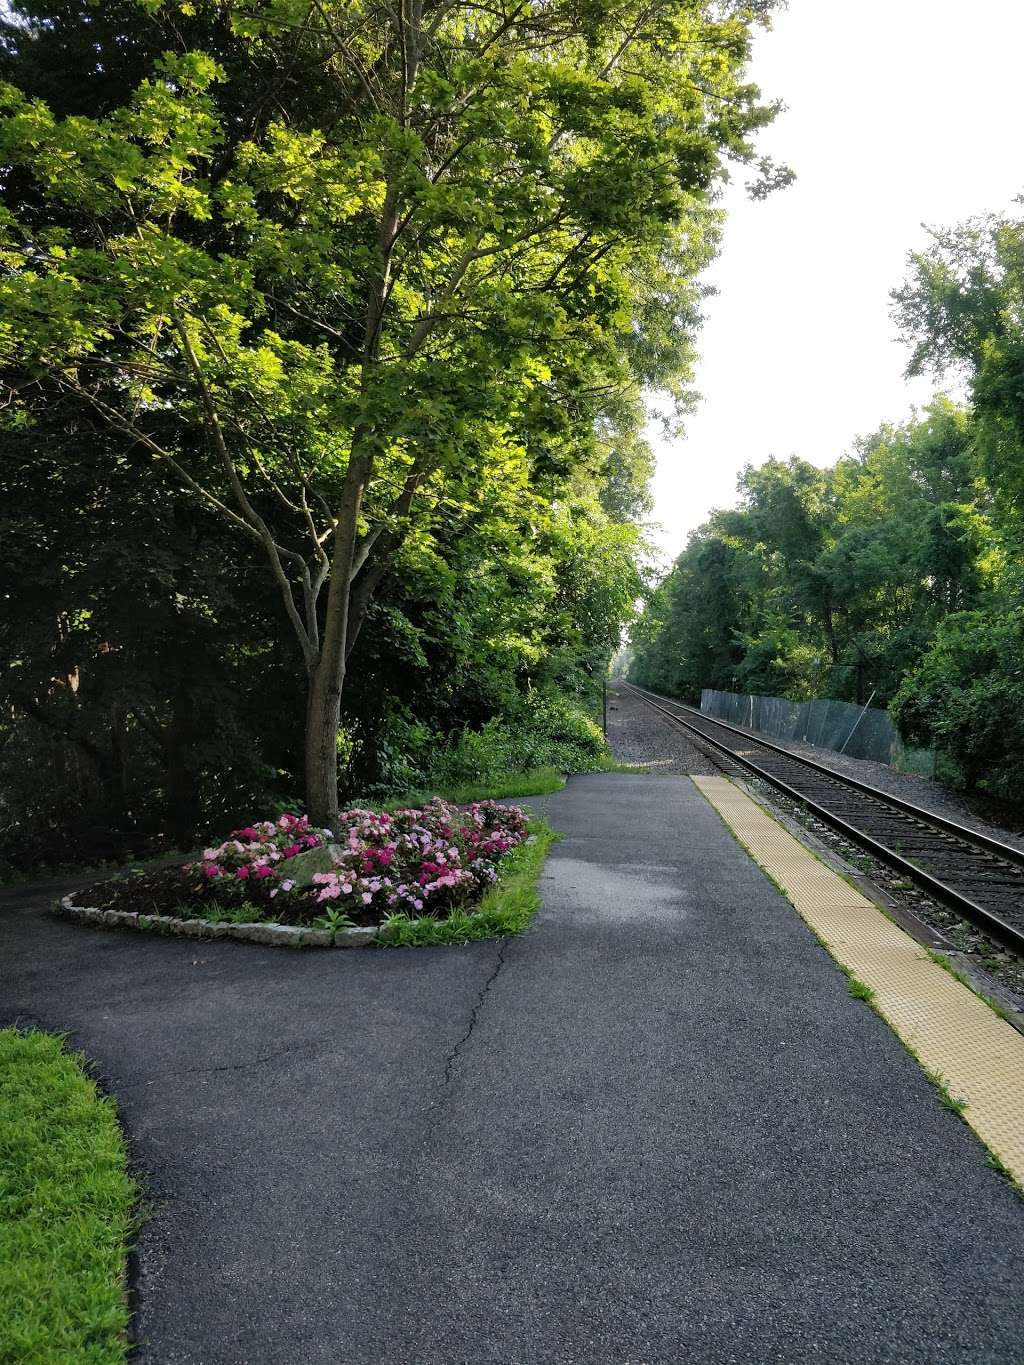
column 974, row 874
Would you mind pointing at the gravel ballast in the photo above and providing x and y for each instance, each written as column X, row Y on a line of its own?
column 641, row 737
column 921, row 791
column 992, row 968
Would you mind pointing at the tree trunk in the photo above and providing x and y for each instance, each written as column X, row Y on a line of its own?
column 177, row 740
column 323, row 710
column 119, row 761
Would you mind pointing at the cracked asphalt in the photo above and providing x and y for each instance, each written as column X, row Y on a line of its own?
column 654, row 1129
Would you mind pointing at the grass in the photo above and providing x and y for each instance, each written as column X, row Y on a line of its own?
column 860, row 990
column 1002, row 1170
column 950, row 1101
column 536, row 782
column 996, row 1006
column 507, row 908
column 66, row 1203
column 609, row 764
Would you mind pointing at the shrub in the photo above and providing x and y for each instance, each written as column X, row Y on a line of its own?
column 548, row 730
column 967, row 698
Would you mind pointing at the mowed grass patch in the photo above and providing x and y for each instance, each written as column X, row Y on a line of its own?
column 66, row 1209
column 506, row 908
column 536, row 782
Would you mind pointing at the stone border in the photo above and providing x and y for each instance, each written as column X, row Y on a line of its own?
column 275, row 935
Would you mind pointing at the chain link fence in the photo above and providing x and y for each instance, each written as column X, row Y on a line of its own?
column 860, row 731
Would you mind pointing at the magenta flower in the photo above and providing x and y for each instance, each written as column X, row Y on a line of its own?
column 242, row 872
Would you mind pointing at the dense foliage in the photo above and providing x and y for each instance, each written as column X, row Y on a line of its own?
column 827, row 581
column 323, row 330
column 896, row 573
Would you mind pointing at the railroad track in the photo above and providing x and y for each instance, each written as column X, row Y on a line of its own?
column 979, row 877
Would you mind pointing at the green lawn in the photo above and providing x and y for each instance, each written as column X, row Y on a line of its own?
column 536, row 782
column 66, row 1210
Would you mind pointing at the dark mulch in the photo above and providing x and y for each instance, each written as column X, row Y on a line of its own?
column 170, row 892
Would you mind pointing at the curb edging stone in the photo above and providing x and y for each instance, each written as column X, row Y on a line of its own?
column 274, row 935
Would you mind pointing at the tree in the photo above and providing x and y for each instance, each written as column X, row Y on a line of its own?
column 829, row 581
column 962, row 307
column 966, row 696
column 332, row 257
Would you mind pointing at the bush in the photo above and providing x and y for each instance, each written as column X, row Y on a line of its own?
column 966, row 697
column 547, row 731
column 544, row 729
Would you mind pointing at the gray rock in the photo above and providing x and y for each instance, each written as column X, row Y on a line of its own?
column 355, row 938
column 317, row 938
column 264, row 933
column 303, row 866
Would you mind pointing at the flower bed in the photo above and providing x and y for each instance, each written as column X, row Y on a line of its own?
column 375, row 870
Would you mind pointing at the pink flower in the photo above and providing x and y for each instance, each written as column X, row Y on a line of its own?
column 242, row 872
column 291, row 850
column 262, row 871
column 212, row 870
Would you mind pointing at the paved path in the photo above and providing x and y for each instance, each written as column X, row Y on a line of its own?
column 657, row 1129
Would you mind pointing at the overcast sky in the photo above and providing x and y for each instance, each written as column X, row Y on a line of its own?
column 899, row 112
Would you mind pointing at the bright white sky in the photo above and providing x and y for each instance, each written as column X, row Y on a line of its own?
column 898, row 113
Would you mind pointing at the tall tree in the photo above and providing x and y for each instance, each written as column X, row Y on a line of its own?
column 962, row 308
column 331, row 257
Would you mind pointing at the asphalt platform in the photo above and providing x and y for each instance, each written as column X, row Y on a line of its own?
column 655, row 1129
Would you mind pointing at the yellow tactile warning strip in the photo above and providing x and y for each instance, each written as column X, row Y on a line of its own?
column 951, row 1032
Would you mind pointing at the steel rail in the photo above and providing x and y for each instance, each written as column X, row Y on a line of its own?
column 964, row 905
column 958, row 831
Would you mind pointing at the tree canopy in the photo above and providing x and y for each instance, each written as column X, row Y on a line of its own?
column 361, row 298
